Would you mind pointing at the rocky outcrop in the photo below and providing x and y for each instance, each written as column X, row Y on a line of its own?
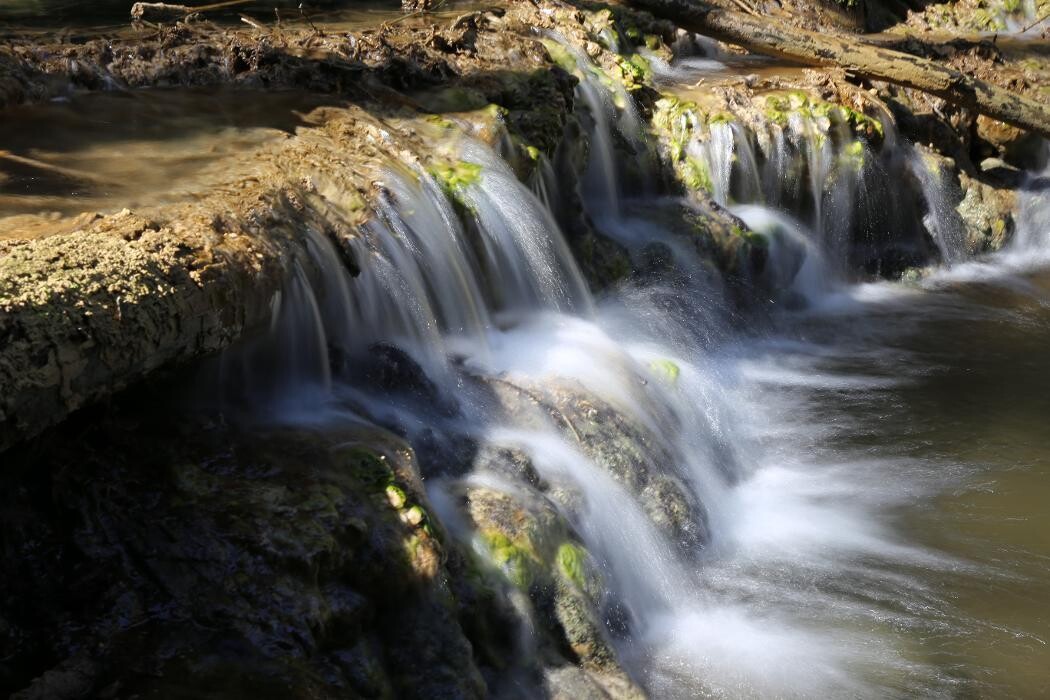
column 290, row 562
column 93, row 304
column 227, row 562
column 110, row 298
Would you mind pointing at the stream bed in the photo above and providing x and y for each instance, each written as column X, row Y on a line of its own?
column 896, row 526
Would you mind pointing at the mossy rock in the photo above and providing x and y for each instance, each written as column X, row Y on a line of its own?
column 666, row 370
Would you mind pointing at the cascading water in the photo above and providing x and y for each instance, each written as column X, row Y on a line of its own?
column 826, row 166
column 732, row 552
column 941, row 220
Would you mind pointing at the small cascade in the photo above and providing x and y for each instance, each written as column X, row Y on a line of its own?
column 1029, row 20
column 1033, row 231
column 942, row 220
column 688, row 45
column 693, row 54
column 611, row 117
column 467, row 293
column 822, row 164
column 426, row 281
column 796, row 262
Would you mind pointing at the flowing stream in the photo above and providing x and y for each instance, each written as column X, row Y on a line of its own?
column 863, row 477
column 860, row 476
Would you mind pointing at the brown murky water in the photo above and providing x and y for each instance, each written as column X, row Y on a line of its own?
column 105, row 151
column 961, row 429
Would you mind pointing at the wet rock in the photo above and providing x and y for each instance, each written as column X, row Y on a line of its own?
column 228, row 562
column 984, row 201
column 390, row 369
column 634, row 457
column 988, row 211
column 1016, row 146
column 532, row 548
column 572, row 683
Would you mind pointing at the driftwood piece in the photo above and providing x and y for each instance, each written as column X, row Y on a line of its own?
column 771, row 37
column 159, row 12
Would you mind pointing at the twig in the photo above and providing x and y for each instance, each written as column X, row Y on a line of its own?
column 57, row 169
column 219, row 5
column 303, row 15
column 252, row 23
column 746, row 8
column 1036, row 23
column 144, row 11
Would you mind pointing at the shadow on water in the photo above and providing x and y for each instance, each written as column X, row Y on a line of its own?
column 108, row 150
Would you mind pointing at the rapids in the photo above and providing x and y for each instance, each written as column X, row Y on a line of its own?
column 846, row 461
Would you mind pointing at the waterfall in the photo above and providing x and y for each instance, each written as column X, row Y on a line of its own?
column 1033, row 234
column 639, row 417
column 468, row 299
column 942, row 220
column 612, row 116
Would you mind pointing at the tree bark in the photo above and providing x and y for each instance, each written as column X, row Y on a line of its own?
column 774, row 38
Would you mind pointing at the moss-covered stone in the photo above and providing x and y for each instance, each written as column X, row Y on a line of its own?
column 666, row 370
column 572, row 562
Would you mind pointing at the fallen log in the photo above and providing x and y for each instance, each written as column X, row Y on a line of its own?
column 774, row 38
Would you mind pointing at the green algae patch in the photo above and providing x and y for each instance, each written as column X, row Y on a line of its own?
column 720, row 118
column 635, row 70
column 395, row 495
column 572, row 562
column 667, row 370
column 779, row 108
column 678, row 122
column 414, row 516
column 853, row 156
column 696, row 175
column 561, row 56
column 753, row 238
column 516, row 559
column 440, row 121
column 455, row 176
column 674, row 116
column 860, row 122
